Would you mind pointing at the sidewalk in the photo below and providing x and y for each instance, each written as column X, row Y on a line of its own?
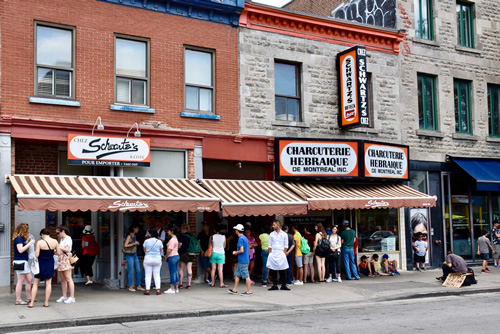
column 98, row 305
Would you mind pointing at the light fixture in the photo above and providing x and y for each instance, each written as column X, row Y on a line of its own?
column 98, row 122
column 137, row 133
column 238, row 164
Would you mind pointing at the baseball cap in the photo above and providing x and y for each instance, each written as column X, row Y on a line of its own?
column 239, row 227
column 385, row 256
column 345, row 223
column 248, row 224
column 364, row 257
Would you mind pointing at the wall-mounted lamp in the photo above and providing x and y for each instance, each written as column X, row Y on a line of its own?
column 137, row 133
column 238, row 164
column 99, row 125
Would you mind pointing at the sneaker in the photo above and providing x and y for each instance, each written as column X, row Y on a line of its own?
column 232, row 292
column 285, row 288
column 177, row 291
column 483, row 271
column 329, row 280
column 70, row 300
column 274, row 287
column 488, row 270
column 140, row 288
column 496, row 266
column 264, row 285
column 397, row 272
column 423, row 269
column 440, row 278
column 170, row 291
column 339, row 280
column 89, row 283
column 335, row 279
column 247, row 294
column 62, row 299
column 377, row 274
column 298, row 283
column 418, row 269
column 208, row 281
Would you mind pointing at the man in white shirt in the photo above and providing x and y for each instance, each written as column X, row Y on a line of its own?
column 276, row 262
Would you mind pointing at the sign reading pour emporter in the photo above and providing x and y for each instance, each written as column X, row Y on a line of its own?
column 386, row 161
column 108, row 151
column 318, row 158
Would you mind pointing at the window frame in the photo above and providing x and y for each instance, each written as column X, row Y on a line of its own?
column 491, row 110
column 147, row 78
column 457, row 83
column 430, row 24
column 421, row 77
column 71, row 69
column 298, row 87
column 462, row 39
column 212, row 87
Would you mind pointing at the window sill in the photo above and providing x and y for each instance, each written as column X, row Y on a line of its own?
column 430, row 133
column 493, row 139
column 290, row 124
column 131, row 108
column 464, row 136
column 469, row 50
column 363, row 130
column 200, row 115
column 425, row 41
column 59, row 102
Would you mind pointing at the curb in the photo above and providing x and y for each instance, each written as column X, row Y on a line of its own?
column 456, row 292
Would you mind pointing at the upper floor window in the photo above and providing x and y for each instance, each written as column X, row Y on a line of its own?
column 287, row 91
column 423, row 19
column 54, row 61
column 131, row 71
column 199, row 80
column 427, row 111
column 463, row 106
column 465, row 24
column 494, row 110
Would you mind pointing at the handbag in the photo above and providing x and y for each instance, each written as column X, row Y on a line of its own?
column 19, row 266
column 73, row 259
column 130, row 250
column 35, row 266
column 56, row 261
column 209, row 251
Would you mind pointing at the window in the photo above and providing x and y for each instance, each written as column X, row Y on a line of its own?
column 199, row 80
column 423, row 19
column 427, row 111
column 494, row 110
column 287, row 90
column 54, row 61
column 377, row 230
column 465, row 25
column 131, row 71
column 463, row 123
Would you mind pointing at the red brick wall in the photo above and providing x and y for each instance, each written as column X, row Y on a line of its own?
column 315, row 7
column 35, row 159
column 96, row 23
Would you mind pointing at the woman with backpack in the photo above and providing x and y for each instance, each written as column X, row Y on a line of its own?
column 334, row 257
column 90, row 251
column 319, row 250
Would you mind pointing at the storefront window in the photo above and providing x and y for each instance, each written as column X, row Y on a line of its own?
column 418, row 181
column 460, row 213
column 377, row 230
column 76, row 221
column 495, row 207
column 480, row 216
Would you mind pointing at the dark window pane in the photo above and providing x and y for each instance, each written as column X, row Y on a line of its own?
column 63, row 83
column 286, row 79
column 421, row 114
column 45, row 81
column 281, row 108
column 293, row 110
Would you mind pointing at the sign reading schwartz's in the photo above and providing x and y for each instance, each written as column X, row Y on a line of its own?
column 108, row 151
column 303, row 158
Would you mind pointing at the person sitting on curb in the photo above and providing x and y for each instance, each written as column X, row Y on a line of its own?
column 365, row 267
column 389, row 266
column 453, row 264
column 377, row 267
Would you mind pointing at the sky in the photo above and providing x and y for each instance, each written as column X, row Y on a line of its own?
column 276, row 3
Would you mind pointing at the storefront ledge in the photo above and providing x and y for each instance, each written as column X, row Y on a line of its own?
column 470, row 50
column 290, row 124
column 493, row 139
column 425, row 42
column 59, row 102
column 430, row 133
column 132, row 108
column 363, row 130
column 200, row 115
column 463, row 136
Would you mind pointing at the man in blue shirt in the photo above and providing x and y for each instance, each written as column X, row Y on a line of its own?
column 243, row 259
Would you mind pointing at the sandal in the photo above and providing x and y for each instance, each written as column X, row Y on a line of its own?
column 45, row 305
column 147, row 293
column 181, row 286
column 131, row 289
column 188, row 287
column 212, row 285
column 223, row 286
column 21, row 302
column 158, row 292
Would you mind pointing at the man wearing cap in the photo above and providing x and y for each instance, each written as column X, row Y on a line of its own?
column 348, row 237
column 243, row 259
column 365, row 267
column 495, row 241
column 276, row 261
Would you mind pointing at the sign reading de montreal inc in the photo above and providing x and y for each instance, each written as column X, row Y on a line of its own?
column 108, row 151
column 323, row 158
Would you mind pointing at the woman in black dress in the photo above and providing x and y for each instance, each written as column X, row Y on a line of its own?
column 45, row 249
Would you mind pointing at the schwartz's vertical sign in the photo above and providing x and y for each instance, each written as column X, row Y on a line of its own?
column 353, row 88
column 108, row 151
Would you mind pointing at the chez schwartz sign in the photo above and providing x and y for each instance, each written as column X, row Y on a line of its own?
column 353, row 88
column 302, row 158
column 108, row 151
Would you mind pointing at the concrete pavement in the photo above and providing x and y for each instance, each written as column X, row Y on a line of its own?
column 98, row 305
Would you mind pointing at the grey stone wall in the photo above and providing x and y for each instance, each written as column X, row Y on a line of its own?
column 258, row 52
column 447, row 61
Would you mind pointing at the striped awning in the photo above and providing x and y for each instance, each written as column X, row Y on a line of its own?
column 42, row 192
column 247, row 198
column 331, row 196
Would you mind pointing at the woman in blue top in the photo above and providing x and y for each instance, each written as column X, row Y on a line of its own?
column 153, row 249
column 22, row 243
column 132, row 259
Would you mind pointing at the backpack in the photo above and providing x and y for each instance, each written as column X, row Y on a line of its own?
column 470, row 278
column 323, row 247
column 304, row 246
column 194, row 246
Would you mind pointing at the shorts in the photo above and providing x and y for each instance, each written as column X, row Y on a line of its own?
column 218, row 258
column 27, row 268
column 298, row 261
column 242, row 271
column 497, row 251
column 364, row 271
column 485, row 256
column 309, row 258
column 419, row 259
column 204, row 262
column 186, row 258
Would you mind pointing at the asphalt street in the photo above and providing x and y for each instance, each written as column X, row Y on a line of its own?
column 449, row 314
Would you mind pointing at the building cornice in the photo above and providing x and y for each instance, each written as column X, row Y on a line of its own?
column 328, row 30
